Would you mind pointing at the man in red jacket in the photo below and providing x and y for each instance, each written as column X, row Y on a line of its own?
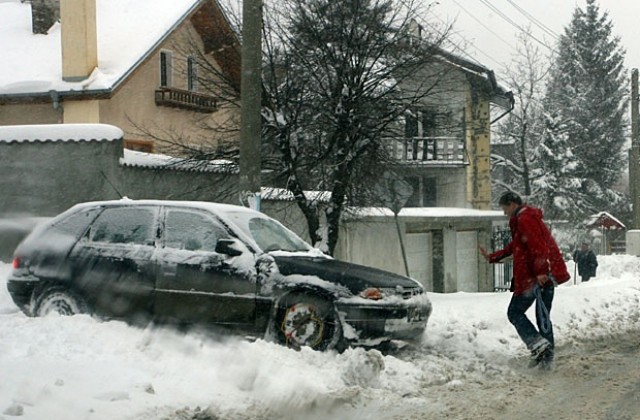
column 537, row 264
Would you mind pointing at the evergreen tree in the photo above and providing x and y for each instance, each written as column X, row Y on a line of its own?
column 587, row 92
column 556, row 174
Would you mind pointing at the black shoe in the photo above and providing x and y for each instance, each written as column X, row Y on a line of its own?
column 539, row 350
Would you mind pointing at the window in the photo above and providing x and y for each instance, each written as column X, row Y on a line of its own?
column 424, row 192
column 166, row 68
column 75, row 224
column 192, row 231
column 64, row 232
column 429, row 192
column 425, row 132
column 192, row 74
column 271, row 236
column 145, row 146
column 421, row 123
column 124, row 225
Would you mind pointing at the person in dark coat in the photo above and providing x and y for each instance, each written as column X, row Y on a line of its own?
column 537, row 263
column 586, row 261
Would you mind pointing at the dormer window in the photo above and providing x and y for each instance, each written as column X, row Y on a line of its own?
column 192, row 74
column 166, row 68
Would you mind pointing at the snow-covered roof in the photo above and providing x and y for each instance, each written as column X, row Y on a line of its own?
column 604, row 219
column 500, row 96
column 133, row 158
column 59, row 132
column 127, row 32
column 281, row 194
column 428, row 212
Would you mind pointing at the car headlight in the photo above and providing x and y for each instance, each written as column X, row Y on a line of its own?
column 372, row 293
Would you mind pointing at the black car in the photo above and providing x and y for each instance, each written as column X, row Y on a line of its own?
column 214, row 265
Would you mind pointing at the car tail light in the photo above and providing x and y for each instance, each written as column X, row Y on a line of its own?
column 16, row 262
column 372, row 293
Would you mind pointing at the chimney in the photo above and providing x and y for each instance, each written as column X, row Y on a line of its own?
column 44, row 13
column 79, row 39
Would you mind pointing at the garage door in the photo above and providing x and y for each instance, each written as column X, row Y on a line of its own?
column 467, row 258
column 419, row 257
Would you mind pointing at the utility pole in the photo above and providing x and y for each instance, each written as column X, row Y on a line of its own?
column 634, row 155
column 250, row 103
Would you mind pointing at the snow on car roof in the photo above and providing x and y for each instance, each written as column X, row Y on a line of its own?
column 59, row 132
column 230, row 213
column 206, row 205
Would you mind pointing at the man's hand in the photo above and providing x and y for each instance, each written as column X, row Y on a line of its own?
column 542, row 279
column 484, row 253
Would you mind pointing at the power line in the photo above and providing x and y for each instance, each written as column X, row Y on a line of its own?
column 534, row 20
column 514, row 24
column 483, row 24
column 461, row 51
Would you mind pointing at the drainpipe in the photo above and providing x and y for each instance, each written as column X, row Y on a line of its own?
column 511, row 107
column 56, row 103
column 494, row 84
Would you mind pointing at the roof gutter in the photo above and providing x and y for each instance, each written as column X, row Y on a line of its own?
column 499, row 96
column 48, row 97
column 512, row 104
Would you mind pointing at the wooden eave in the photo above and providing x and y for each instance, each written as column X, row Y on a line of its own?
column 219, row 39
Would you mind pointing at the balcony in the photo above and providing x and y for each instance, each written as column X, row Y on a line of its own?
column 429, row 150
column 178, row 98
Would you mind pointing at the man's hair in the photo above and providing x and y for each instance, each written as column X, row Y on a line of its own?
column 508, row 198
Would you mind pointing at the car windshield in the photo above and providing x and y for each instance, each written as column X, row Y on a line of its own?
column 268, row 233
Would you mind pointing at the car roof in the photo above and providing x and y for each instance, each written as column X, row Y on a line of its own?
column 206, row 205
column 220, row 209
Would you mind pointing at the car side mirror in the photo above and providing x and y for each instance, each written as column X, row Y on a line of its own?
column 227, row 247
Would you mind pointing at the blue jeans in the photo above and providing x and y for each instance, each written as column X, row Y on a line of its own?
column 516, row 313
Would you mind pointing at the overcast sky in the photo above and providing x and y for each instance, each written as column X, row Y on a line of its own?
column 486, row 29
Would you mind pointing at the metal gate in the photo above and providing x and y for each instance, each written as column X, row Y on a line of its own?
column 502, row 271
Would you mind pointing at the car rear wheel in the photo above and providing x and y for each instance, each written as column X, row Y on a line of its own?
column 60, row 300
column 308, row 320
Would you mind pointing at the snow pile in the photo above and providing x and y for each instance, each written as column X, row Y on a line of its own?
column 79, row 367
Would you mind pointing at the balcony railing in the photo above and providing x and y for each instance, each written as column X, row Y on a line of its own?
column 429, row 149
column 185, row 99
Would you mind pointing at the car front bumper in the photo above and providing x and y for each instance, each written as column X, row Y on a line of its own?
column 371, row 323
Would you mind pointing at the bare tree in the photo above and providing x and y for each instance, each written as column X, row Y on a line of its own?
column 518, row 136
column 335, row 79
column 338, row 80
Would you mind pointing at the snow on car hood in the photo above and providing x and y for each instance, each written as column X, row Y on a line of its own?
column 353, row 276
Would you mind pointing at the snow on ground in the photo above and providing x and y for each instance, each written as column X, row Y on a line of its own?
column 82, row 368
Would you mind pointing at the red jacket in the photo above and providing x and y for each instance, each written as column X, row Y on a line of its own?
column 534, row 250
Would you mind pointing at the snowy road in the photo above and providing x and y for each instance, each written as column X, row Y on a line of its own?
column 471, row 365
column 597, row 379
column 593, row 380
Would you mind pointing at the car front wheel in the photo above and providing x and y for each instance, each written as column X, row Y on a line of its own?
column 308, row 320
column 57, row 299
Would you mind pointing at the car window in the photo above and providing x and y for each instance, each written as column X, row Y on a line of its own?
column 272, row 236
column 192, row 231
column 75, row 224
column 124, row 225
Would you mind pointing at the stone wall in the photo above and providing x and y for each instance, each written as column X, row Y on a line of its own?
column 42, row 179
